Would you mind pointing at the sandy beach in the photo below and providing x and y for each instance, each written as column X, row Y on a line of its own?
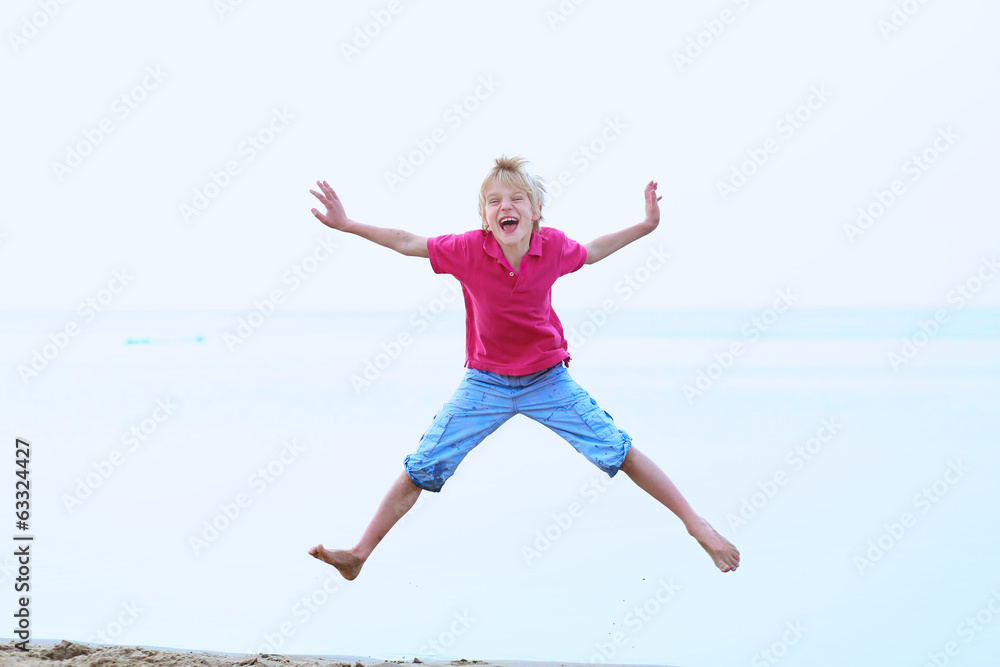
column 79, row 654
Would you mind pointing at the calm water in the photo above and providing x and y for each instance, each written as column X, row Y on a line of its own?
column 177, row 484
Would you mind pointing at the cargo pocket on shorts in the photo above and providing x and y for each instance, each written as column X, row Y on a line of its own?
column 435, row 433
column 598, row 420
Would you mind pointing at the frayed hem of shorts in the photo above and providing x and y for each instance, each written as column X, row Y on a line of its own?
column 628, row 445
column 420, row 486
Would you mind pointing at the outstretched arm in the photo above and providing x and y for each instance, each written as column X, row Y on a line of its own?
column 603, row 246
column 402, row 242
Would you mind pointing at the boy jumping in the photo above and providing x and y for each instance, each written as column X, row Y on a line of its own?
column 516, row 356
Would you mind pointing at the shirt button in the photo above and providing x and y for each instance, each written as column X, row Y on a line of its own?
column 511, row 273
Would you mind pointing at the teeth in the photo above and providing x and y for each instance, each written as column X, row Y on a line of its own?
column 506, row 220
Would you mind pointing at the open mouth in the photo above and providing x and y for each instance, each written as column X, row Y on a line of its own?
column 508, row 224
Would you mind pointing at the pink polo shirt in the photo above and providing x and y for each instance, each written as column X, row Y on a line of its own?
column 510, row 327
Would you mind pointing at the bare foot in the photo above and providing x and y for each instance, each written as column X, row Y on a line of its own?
column 725, row 555
column 346, row 563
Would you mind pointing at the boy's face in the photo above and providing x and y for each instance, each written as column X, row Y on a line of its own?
column 509, row 214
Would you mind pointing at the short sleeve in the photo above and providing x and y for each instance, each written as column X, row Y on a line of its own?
column 573, row 256
column 449, row 254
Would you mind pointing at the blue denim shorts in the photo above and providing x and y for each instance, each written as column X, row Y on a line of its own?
column 484, row 401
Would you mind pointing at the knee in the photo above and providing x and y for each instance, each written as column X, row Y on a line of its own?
column 410, row 487
column 423, row 478
column 626, row 465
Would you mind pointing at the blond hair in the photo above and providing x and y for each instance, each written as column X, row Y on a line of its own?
column 510, row 171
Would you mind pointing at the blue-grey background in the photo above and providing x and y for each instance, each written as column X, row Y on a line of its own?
column 156, row 249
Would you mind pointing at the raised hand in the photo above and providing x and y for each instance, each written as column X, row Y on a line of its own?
column 652, row 204
column 335, row 217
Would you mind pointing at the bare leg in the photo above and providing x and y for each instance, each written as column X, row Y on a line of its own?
column 648, row 476
column 397, row 502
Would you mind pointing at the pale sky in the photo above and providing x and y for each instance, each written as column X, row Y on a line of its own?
column 162, row 154
column 833, row 107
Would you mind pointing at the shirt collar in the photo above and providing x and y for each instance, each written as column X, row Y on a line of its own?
column 492, row 246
